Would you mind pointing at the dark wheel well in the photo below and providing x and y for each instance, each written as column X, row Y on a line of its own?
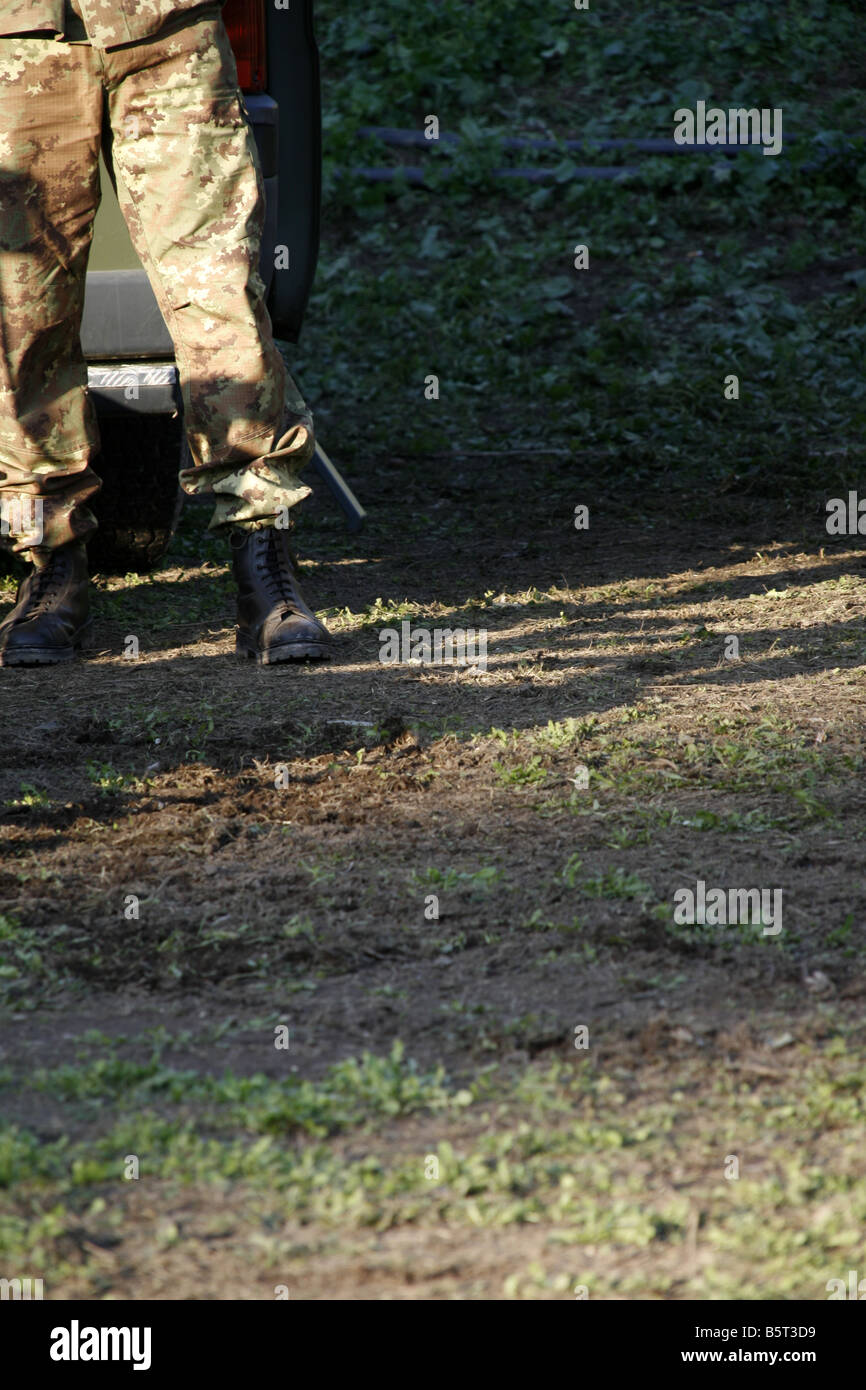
column 140, row 502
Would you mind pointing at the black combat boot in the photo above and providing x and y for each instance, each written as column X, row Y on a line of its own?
column 52, row 609
column 274, row 621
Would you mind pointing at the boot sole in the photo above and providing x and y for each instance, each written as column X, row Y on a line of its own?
column 289, row 651
column 45, row 656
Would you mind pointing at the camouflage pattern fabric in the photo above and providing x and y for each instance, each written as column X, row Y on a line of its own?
column 109, row 22
column 190, row 187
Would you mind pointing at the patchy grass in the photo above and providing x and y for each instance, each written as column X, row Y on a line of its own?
column 705, row 1187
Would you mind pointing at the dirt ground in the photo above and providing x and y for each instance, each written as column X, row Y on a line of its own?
column 305, row 901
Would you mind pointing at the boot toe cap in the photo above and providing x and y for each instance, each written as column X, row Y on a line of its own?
column 292, row 638
column 26, row 644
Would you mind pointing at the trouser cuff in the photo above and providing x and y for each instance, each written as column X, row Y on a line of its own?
column 259, row 492
column 48, row 520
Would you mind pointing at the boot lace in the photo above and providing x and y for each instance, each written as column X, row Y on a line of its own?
column 46, row 582
column 274, row 565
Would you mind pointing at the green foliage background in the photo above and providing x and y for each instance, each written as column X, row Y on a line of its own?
column 700, row 265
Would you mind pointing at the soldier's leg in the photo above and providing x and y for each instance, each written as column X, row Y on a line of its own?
column 191, row 189
column 50, row 121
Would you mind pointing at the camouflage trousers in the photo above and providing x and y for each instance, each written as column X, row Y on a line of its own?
column 190, row 186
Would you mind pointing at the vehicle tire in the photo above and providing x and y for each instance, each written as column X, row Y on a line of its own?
column 140, row 502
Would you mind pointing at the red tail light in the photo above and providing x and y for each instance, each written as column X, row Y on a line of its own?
column 245, row 22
